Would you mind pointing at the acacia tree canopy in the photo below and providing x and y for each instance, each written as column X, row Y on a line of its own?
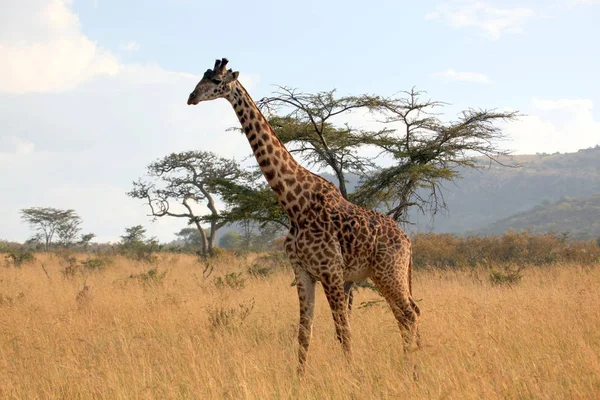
column 181, row 177
column 423, row 150
column 48, row 222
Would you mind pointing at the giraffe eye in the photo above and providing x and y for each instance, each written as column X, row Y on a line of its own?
column 216, row 81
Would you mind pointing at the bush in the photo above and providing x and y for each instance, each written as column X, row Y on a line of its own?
column 18, row 257
column 508, row 276
column 229, row 317
column 451, row 251
column 96, row 264
column 231, row 280
column 150, row 278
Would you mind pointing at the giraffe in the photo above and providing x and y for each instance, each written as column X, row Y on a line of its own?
column 330, row 240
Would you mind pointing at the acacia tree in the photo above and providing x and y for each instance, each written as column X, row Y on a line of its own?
column 424, row 151
column 48, row 222
column 184, row 177
column 307, row 122
column 249, row 198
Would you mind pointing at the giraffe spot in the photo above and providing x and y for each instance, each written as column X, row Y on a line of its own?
column 296, row 209
column 254, row 146
column 290, row 181
column 257, row 126
column 246, row 103
column 290, row 197
column 277, row 153
column 252, row 137
column 269, row 148
column 297, row 189
column 275, row 162
column 302, row 201
column 243, row 120
column 252, row 114
column 265, row 163
column 247, row 129
column 240, row 112
column 265, row 136
column 278, row 188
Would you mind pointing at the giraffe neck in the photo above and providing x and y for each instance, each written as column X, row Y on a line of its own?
column 285, row 176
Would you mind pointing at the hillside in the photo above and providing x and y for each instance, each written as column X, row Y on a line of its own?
column 489, row 195
column 580, row 217
column 495, row 192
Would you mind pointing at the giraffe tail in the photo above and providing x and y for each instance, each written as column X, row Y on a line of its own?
column 414, row 305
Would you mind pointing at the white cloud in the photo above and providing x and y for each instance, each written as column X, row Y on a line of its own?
column 491, row 22
column 44, row 49
column 130, row 46
column 451, row 74
column 79, row 140
column 564, row 125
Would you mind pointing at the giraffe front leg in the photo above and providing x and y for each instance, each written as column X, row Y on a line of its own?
column 333, row 284
column 306, row 295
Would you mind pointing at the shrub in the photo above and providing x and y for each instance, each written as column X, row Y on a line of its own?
column 150, row 278
column 508, row 276
column 18, row 257
column 229, row 317
column 96, row 264
column 259, row 271
column 231, row 280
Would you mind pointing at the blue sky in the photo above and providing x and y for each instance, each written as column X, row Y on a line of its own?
column 94, row 90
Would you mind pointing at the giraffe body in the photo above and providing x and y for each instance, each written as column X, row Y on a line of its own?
column 331, row 240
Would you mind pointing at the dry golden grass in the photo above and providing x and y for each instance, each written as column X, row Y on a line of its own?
column 124, row 339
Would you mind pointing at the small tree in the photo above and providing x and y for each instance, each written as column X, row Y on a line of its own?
column 181, row 177
column 86, row 239
column 191, row 237
column 230, row 240
column 134, row 244
column 133, row 234
column 48, row 221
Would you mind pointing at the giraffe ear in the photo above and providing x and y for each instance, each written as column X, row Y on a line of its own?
column 235, row 75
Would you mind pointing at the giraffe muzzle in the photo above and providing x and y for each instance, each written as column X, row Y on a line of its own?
column 191, row 98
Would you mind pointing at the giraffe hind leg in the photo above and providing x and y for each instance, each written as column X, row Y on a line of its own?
column 336, row 297
column 405, row 310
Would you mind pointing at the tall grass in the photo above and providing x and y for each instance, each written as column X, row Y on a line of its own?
column 123, row 332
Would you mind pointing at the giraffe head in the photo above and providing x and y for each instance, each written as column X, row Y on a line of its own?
column 215, row 83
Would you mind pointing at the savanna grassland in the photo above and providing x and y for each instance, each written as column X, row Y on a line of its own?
column 165, row 330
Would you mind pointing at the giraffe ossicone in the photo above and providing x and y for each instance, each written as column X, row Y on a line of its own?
column 331, row 240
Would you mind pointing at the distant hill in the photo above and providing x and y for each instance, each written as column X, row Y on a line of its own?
column 580, row 217
column 495, row 193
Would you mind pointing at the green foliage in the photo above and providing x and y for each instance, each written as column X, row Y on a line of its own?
column 250, row 199
column 150, row 278
column 48, row 222
column 230, row 240
column 135, row 246
column 19, row 256
column 232, row 280
column 259, row 271
column 229, row 317
column 181, row 177
column 509, row 275
column 96, row 264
